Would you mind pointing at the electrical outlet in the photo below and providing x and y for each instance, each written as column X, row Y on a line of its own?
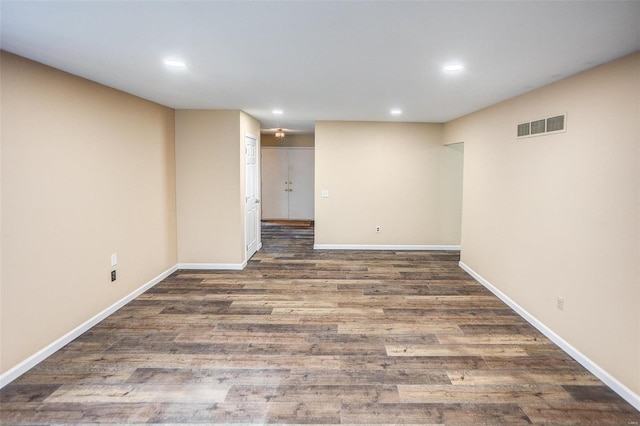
column 113, row 275
column 378, row 228
column 560, row 303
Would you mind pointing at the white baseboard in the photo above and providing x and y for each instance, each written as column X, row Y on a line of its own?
column 213, row 266
column 26, row 365
column 383, row 247
column 619, row 388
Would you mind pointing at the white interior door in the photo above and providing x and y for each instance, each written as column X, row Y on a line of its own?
column 301, row 178
column 275, row 178
column 251, row 195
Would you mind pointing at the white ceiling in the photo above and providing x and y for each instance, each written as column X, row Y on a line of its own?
column 323, row 60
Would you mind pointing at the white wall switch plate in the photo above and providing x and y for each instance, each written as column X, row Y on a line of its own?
column 560, row 303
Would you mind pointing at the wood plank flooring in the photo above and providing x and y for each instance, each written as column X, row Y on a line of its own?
column 325, row 337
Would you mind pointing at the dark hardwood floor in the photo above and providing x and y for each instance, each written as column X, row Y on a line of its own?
column 304, row 336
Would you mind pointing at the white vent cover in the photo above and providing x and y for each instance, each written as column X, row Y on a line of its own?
column 543, row 126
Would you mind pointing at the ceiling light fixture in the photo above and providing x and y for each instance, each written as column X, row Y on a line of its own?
column 396, row 111
column 277, row 111
column 279, row 134
column 175, row 63
column 453, row 67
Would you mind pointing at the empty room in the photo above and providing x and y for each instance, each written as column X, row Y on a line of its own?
column 320, row 212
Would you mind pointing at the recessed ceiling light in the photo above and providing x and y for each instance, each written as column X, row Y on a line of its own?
column 453, row 67
column 396, row 111
column 277, row 111
column 174, row 63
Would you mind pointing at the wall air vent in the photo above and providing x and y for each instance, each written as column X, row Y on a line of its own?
column 555, row 124
column 543, row 126
column 537, row 127
column 524, row 129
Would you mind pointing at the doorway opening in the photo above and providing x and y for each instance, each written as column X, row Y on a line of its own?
column 287, row 170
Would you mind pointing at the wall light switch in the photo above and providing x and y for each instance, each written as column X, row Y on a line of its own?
column 325, row 193
column 114, row 259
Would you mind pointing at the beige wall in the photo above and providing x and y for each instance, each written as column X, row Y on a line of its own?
column 386, row 174
column 87, row 171
column 210, row 185
column 559, row 215
column 296, row 140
